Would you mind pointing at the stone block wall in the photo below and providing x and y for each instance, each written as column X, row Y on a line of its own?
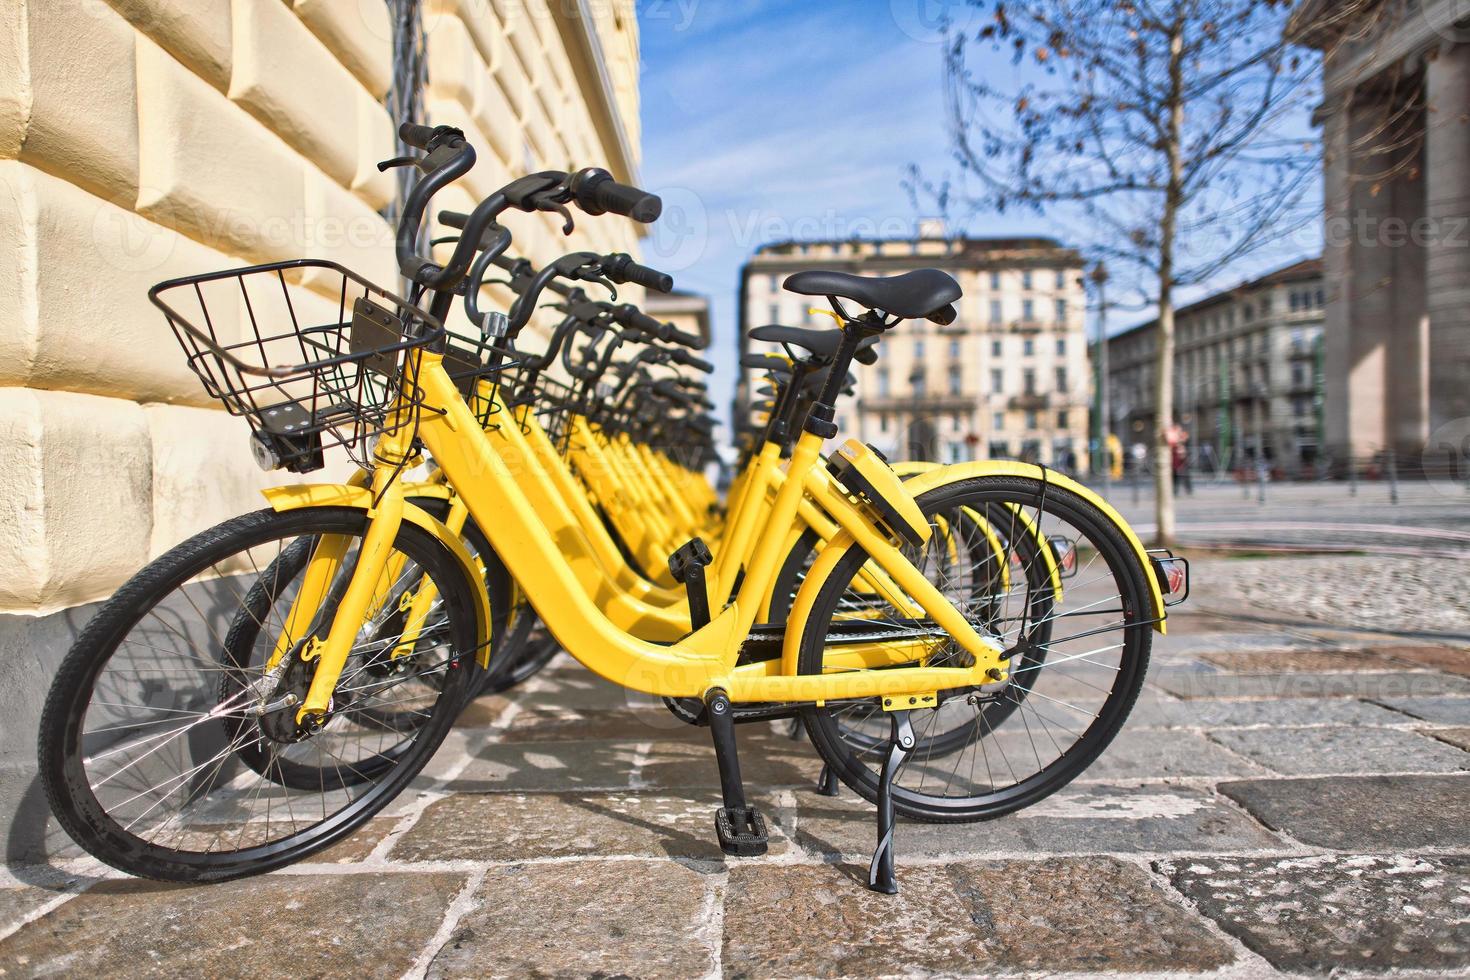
column 146, row 139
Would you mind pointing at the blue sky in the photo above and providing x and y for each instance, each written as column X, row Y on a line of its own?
column 766, row 120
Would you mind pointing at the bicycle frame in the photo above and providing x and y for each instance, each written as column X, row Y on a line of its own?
column 703, row 660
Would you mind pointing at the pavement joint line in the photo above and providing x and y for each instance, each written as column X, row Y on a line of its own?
column 640, row 760
column 463, row 902
column 712, row 922
column 1208, row 736
column 67, row 893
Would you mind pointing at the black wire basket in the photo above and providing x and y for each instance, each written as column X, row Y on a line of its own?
column 309, row 353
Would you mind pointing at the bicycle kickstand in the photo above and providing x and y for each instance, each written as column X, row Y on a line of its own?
column 880, row 873
column 741, row 828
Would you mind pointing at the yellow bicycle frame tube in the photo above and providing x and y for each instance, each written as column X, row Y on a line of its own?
column 705, row 658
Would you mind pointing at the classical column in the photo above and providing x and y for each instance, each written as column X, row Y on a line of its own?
column 1447, row 166
column 1336, row 273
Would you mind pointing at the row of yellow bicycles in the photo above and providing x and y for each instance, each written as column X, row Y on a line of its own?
column 957, row 641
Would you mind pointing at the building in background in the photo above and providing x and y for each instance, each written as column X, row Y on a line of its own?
column 146, row 139
column 1007, row 379
column 1247, row 371
column 1396, row 140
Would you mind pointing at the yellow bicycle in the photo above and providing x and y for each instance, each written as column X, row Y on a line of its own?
column 266, row 686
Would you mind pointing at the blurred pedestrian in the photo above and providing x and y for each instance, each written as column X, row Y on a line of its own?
column 1178, row 438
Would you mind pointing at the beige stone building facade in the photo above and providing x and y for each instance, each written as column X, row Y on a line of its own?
column 146, row 139
column 1395, row 123
column 1247, row 367
column 1008, row 378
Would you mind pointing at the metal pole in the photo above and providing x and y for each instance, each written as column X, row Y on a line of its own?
column 1104, row 402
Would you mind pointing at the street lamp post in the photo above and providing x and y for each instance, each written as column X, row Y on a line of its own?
column 1102, row 424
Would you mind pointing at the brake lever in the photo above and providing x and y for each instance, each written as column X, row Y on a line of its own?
column 543, row 201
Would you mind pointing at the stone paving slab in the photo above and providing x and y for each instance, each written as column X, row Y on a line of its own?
column 1441, row 711
column 1459, row 737
column 1317, row 751
column 1375, row 685
column 546, row 766
column 1291, row 659
column 1362, row 812
column 516, row 826
column 358, row 925
column 1157, row 712
column 1092, row 818
column 1337, row 912
column 1234, row 640
column 1062, row 914
column 587, row 919
column 1138, row 754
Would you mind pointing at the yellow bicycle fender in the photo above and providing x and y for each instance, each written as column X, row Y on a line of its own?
column 806, row 597
column 938, row 476
column 361, row 498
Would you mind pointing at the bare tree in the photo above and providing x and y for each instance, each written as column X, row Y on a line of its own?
column 1173, row 136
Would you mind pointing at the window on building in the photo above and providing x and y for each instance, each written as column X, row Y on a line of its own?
column 1298, row 373
column 997, row 380
column 1030, row 419
column 954, row 349
column 1000, row 450
column 994, row 280
column 775, row 313
column 1061, row 311
column 1265, row 305
column 775, row 283
column 1028, row 347
column 995, row 311
column 1061, row 278
column 1028, row 310
column 956, row 379
column 883, row 422
column 1026, row 279
column 1062, row 380
column 1061, row 345
column 1300, row 406
column 998, row 421
column 882, row 382
column 918, row 349
column 1063, row 419
column 995, row 348
column 954, row 422
column 1319, row 299
column 1028, row 381
column 919, row 384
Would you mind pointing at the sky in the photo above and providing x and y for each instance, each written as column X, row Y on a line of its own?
column 766, row 121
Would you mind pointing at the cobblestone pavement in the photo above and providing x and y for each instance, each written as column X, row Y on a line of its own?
column 1284, row 799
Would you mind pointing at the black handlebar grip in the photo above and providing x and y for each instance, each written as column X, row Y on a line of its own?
column 631, row 316
column 620, row 268
column 415, row 135
column 454, row 219
column 692, row 341
column 866, row 355
column 689, row 360
column 597, row 193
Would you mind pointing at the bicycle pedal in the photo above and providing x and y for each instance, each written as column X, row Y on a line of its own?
column 742, row 831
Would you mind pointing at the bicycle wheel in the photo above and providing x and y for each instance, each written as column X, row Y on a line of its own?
column 995, row 749
column 974, row 547
column 166, row 750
